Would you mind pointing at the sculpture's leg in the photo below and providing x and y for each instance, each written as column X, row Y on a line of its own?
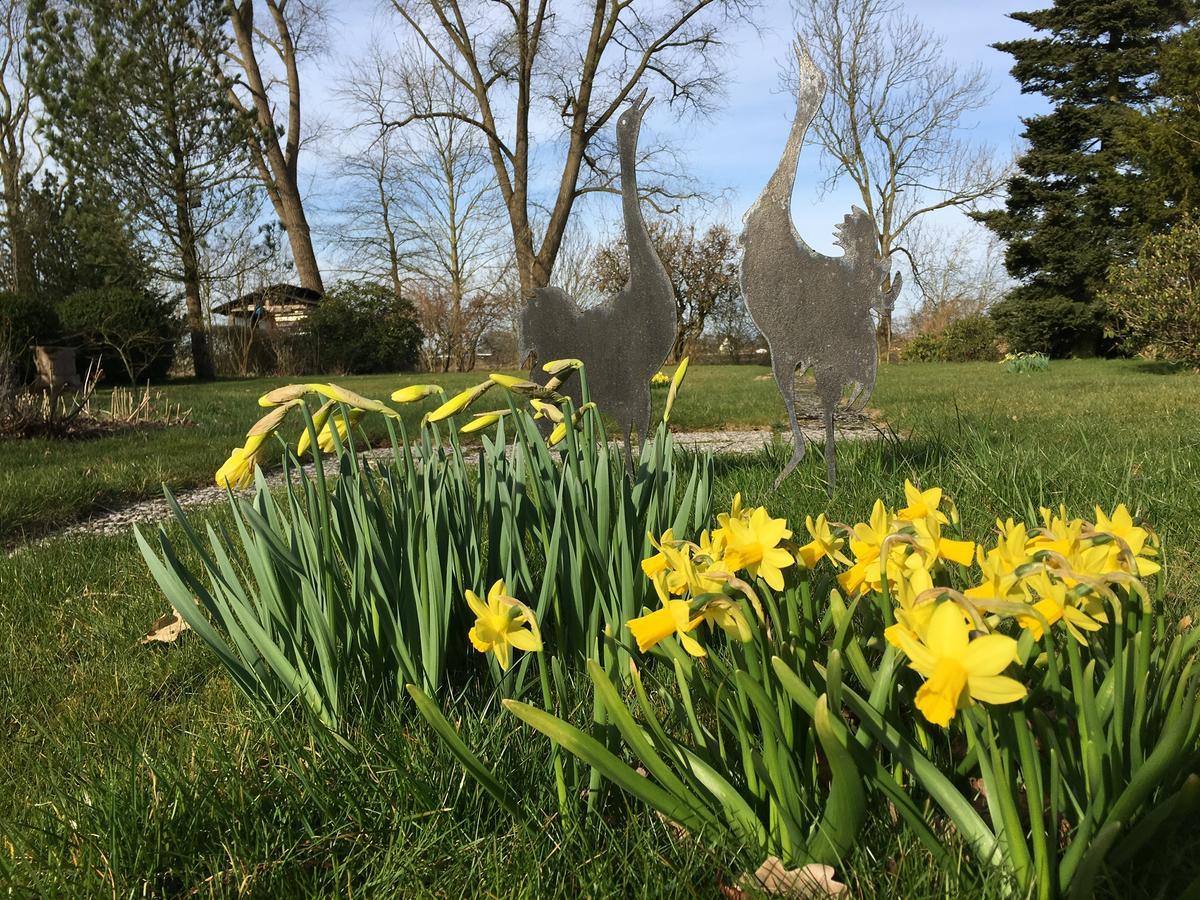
column 628, row 450
column 785, row 379
column 830, row 450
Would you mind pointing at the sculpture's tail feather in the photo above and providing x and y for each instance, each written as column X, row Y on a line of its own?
column 830, row 451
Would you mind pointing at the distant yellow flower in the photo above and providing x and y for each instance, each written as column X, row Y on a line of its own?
column 921, row 504
column 416, row 392
column 459, row 402
column 660, row 378
column 753, row 544
column 823, row 544
column 502, row 623
column 957, row 670
column 676, row 381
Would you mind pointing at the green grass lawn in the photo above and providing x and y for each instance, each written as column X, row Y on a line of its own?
column 128, row 771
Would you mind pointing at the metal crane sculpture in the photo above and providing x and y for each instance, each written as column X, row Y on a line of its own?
column 626, row 340
column 814, row 310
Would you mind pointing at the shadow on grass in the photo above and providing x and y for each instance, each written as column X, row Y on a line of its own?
column 1161, row 367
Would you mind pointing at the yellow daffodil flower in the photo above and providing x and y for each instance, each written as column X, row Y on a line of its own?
column 1120, row 525
column 484, row 420
column 238, row 470
column 562, row 366
column 930, row 542
column 957, row 670
column 922, row 504
column 673, row 619
column 727, row 614
column 1052, row 601
column 502, row 623
column 560, row 430
column 546, row 410
column 753, row 544
column 416, row 392
column 459, row 402
column 823, row 544
column 676, row 381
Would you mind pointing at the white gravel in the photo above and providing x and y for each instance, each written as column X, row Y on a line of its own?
column 718, row 442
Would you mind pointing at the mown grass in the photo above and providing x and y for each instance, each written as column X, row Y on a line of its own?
column 134, row 771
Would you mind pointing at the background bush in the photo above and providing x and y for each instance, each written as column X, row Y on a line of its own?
column 1054, row 325
column 133, row 332
column 24, row 322
column 1156, row 302
column 364, row 328
column 969, row 339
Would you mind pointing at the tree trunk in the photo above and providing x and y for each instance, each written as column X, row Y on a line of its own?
column 295, row 223
column 202, row 361
column 24, row 281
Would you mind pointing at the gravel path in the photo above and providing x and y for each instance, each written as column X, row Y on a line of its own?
column 147, row 511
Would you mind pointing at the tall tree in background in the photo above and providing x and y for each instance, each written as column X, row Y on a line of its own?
column 130, row 103
column 15, row 139
column 1164, row 138
column 702, row 268
column 1076, row 202
column 522, row 62
column 894, row 118
column 295, row 28
column 438, row 218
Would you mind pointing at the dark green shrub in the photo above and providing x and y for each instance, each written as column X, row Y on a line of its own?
column 133, row 333
column 971, row 339
column 1156, row 302
column 24, row 322
column 364, row 328
column 1055, row 325
column 925, row 348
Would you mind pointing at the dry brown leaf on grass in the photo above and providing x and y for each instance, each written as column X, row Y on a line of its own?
column 811, row 882
column 166, row 629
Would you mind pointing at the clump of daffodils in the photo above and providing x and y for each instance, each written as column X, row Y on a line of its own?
column 697, row 582
column 1057, row 574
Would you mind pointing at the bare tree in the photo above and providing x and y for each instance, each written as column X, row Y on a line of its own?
column 296, row 28
column 732, row 329
column 519, row 62
column 429, row 209
column 960, row 275
column 15, row 141
column 894, row 117
column 702, row 268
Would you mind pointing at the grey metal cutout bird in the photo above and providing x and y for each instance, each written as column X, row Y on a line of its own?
column 814, row 310
column 626, row 340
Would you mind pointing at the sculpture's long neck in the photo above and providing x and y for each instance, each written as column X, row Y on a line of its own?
column 642, row 259
column 778, row 192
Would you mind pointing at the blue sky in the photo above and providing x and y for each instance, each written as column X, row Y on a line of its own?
column 735, row 151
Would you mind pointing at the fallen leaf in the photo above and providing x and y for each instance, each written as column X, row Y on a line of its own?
column 166, row 629
column 811, row 882
column 1185, row 623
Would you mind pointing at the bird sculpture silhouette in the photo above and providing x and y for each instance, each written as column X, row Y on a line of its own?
column 814, row 310
column 626, row 340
